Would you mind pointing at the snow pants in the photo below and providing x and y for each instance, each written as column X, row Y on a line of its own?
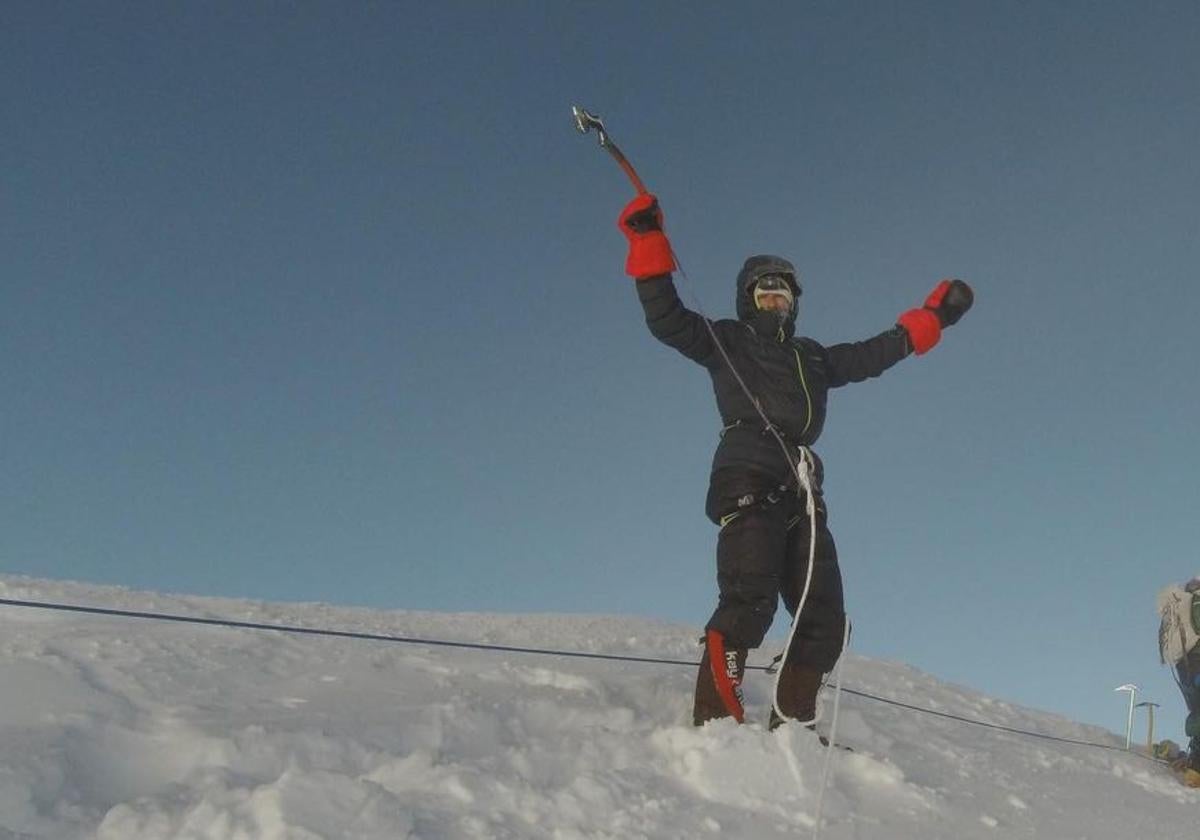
column 1188, row 670
column 762, row 556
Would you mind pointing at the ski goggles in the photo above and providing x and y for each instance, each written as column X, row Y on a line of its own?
column 776, row 283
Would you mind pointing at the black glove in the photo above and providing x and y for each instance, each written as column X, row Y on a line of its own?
column 950, row 301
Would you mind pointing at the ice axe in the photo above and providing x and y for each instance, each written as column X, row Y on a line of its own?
column 585, row 121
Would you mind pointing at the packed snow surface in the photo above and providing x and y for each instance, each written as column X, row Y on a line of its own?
column 122, row 728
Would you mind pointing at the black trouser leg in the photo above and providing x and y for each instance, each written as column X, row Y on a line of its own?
column 1188, row 669
column 750, row 559
column 817, row 642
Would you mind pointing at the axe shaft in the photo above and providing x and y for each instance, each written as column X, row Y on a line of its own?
column 627, row 166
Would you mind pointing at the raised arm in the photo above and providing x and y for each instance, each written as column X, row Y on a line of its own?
column 674, row 324
column 650, row 263
column 855, row 361
column 917, row 330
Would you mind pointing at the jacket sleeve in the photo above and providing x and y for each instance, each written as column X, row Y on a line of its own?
column 674, row 324
column 858, row 360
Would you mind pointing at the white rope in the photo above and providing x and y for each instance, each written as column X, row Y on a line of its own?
column 804, row 475
column 805, row 468
column 829, row 747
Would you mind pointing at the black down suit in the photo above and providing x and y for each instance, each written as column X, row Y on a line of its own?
column 763, row 546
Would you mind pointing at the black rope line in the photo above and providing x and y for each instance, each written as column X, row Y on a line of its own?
column 344, row 634
column 998, row 726
column 612, row 657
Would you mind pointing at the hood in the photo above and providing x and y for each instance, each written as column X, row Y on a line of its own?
column 754, row 268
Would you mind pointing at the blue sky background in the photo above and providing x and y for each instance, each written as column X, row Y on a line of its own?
column 324, row 301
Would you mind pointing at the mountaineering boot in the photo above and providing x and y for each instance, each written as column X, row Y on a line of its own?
column 798, row 687
column 719, row 681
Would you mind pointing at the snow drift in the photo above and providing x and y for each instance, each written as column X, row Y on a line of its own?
column 119, row 728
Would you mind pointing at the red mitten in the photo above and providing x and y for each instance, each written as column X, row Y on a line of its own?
column 924, row 329
column 949, row 301
column 649, row 249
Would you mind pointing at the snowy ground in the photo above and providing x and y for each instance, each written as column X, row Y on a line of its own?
column 119, row 729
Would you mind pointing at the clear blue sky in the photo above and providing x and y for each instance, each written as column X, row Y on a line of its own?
column 324, row 301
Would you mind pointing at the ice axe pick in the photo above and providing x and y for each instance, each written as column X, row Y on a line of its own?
column 585, row 121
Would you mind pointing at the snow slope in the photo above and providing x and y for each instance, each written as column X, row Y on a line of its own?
column 119, row 728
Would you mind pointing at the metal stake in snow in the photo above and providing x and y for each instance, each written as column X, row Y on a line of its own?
column 585, row 121
column 1150, row 707
column 1133, row 690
